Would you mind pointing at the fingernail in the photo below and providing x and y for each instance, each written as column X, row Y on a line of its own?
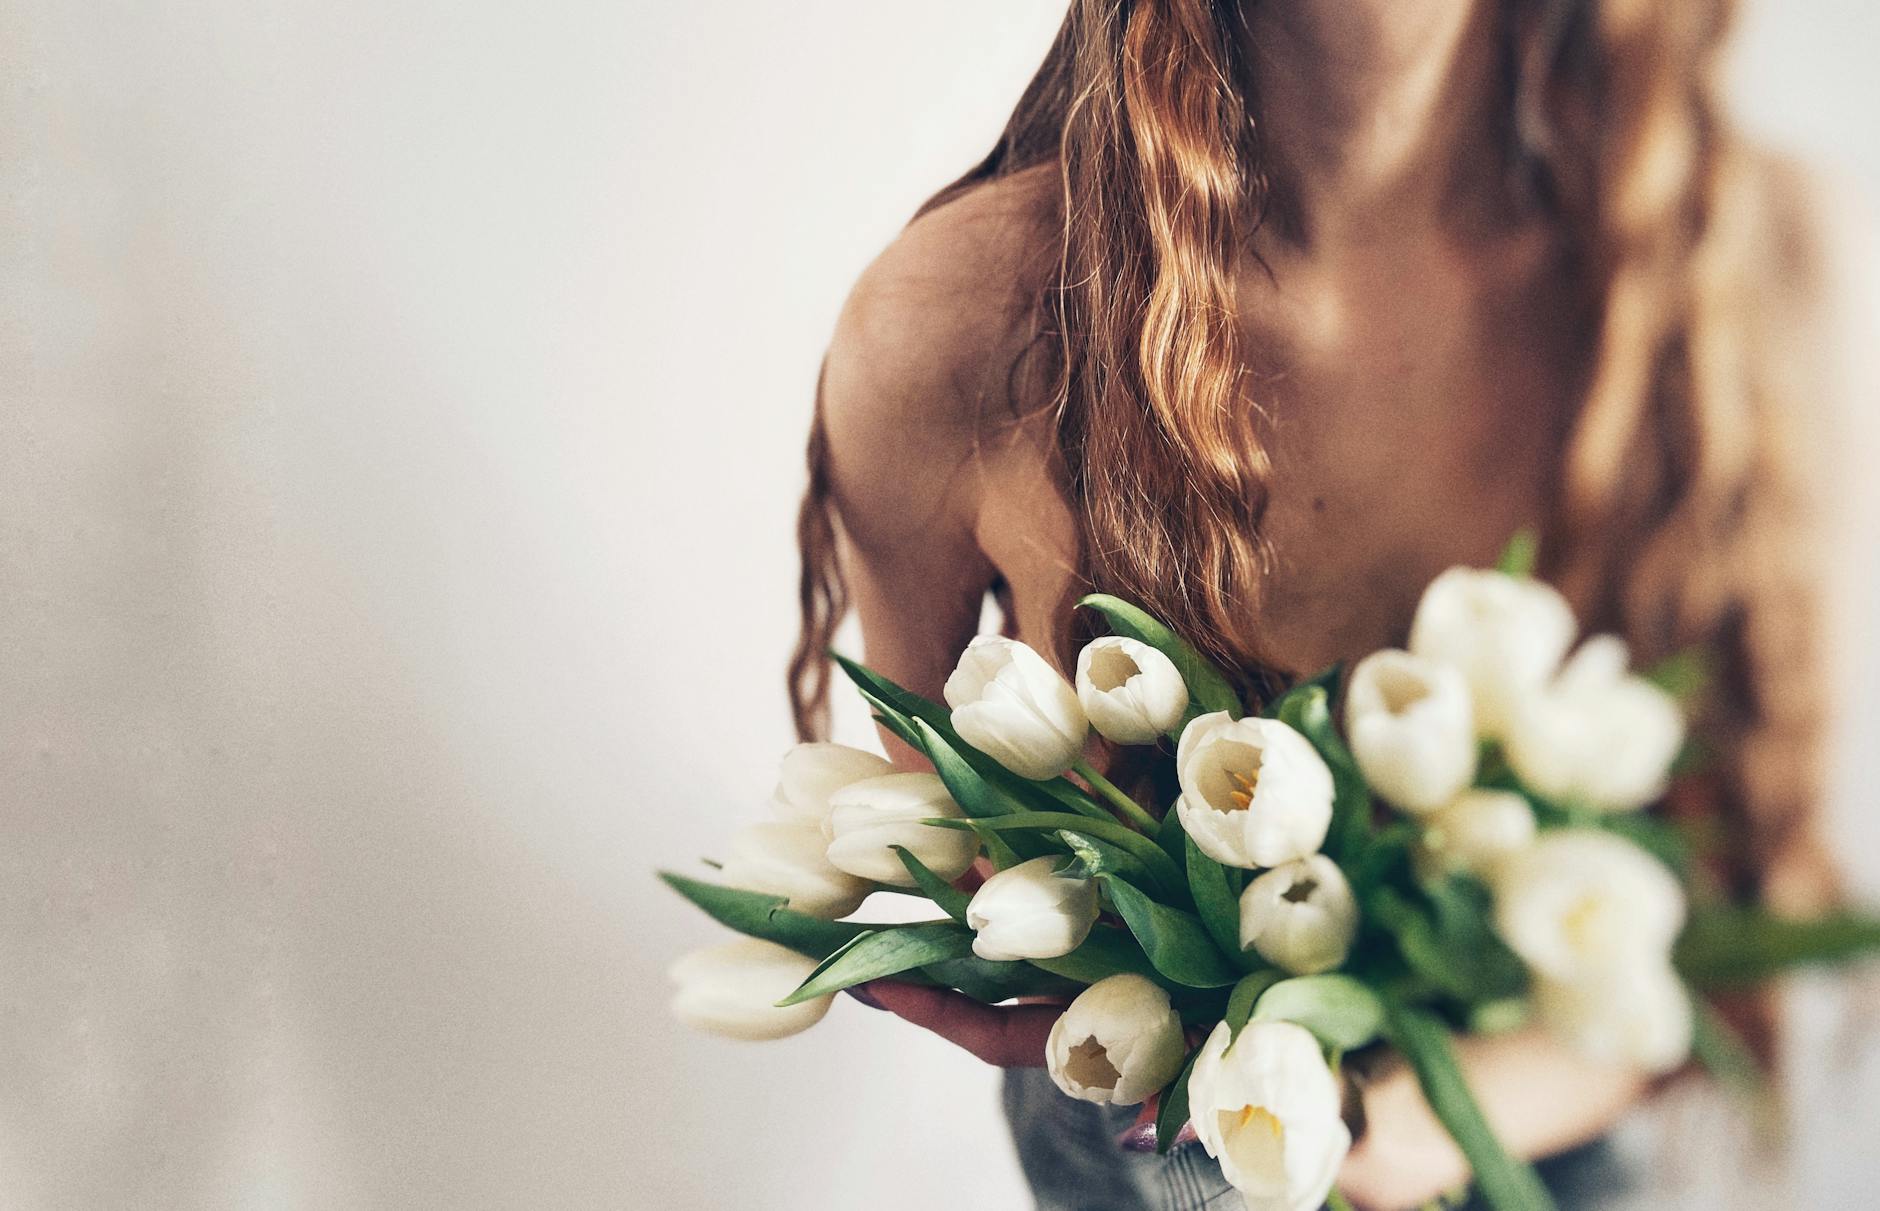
column 1141, row 1137
column 860, row 992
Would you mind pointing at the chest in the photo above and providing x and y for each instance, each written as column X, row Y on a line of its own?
column 1414, row 411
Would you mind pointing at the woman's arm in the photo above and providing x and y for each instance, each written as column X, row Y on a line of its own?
column 924, row 342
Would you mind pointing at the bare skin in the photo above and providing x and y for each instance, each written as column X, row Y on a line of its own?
column 1419, row 349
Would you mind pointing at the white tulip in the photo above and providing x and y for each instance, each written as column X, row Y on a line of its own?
column 1506, row 634
column 733, row 989
column 1015, row 708
column 1267, row 1107
column 1030, row 911
column 790, row 860
column 1300, row 916
column 1412, row 728
column 1131, row 692
column 1118, row 1042
column 867, row 817
column 1474, row 833
column 1639, row 1015
column 810, row 773
column 1582, row 902
column 1597, row 736
column 1254, row 791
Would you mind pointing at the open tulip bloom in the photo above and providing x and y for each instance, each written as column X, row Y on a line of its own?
column 1473, row 849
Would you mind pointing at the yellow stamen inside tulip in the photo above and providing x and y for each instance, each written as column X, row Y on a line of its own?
column 1260, row 1115
column 1244, row 787
column 1581, row 921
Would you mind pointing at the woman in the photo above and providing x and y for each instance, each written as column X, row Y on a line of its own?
column 1262, row 314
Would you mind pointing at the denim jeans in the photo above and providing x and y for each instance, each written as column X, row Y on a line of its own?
column 1068, row 1151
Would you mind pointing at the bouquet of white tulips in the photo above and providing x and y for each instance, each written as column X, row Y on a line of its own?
column 1467, row 853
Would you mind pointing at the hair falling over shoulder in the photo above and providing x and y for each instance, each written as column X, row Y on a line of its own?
column 1681, row 514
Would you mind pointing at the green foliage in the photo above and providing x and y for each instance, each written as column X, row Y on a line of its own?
column 1309, row 713
column 1246, row 995
column 1173, row 940
column 1216, row 893
column 899, row 709
column 761, row 915
column 1723, row 1053
column 946, row 897
column 1684, row 675
column 1098, row 857
column 1168, row 879
column 1449, row 939
column 1106, row 952
column 991, row 981
column 1738, row 947
column 1520, row 555
column 1172, row 1113
column 973, row 792
column 1327, row 679
column 884, row 952
column 1343, row 1012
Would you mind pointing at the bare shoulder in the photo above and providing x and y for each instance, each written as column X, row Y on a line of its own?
column 928, row 339
column 953, row 291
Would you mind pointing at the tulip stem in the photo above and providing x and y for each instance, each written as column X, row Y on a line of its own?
column 1120, row 803
column 1336, row 1200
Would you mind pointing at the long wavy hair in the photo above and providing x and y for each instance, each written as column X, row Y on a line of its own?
column 1678, row 503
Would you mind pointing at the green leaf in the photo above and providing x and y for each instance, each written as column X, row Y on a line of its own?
column 1310, row 714
column 1172, row 1114
column 1172, row 836
column 1520, row 555
column 1106, row 952
column 1326, row 679
column 885, row 952
column 761, row 915
column 975, row 795
column 991, row 981
column 1684, row 674
column 1245, row 996
column 1102, row 858
column 1736, row 947
column 1500, row 1017
column 1216, row 893
column 1343, row 1012
column 1134, row 843
column 1208, row 690
column 1451, row 943
column 1464, row 920
column 1002, row 853
column 1506, row 1183
column 1174, row 940
column 1716, row 1045
column 948, row 898
column 904, row 708
column 885, row 692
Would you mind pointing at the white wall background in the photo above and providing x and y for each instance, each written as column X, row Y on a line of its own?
column 400, row 414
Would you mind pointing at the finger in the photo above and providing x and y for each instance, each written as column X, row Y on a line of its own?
column 1009, row 1037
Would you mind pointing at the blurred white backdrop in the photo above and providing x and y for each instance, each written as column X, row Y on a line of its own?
column 401, row 430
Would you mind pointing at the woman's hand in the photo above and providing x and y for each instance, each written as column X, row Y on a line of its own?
column 1539, row 1098
column 1404, row 1158
column 1007, row 1036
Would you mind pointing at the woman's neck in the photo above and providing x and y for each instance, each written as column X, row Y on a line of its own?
column 1379, row 115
